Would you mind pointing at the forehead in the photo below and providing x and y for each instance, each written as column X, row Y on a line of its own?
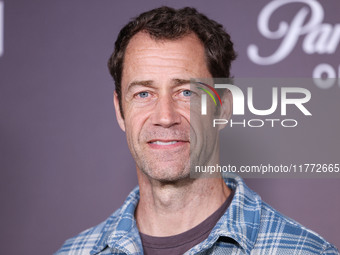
column 142, row 40
column 145, row 55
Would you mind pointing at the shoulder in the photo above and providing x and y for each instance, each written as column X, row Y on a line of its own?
column 86, row 241
column 95, row 239
column 283, row 233
column 265, row 230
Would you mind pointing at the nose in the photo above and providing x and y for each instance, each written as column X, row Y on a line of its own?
column 166, row 113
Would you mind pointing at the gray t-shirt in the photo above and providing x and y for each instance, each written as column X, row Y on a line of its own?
column 179, row 244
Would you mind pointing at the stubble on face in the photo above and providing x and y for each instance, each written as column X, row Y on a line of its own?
column 164, row 165
column 158, row 128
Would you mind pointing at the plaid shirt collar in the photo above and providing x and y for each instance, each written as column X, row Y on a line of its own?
column 240, row 223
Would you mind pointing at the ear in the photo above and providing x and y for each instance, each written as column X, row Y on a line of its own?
column 119, row 117
column 227, row 107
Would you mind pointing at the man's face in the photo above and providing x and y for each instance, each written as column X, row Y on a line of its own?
column 156, row 103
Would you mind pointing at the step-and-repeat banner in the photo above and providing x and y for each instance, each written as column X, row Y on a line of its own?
column 64, row 162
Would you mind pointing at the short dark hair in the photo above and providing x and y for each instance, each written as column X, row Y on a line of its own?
column 166, row 23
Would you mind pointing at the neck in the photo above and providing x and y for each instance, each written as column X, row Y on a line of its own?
column 167, row 209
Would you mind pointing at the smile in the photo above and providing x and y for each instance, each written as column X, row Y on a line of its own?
column 163, row 142
column 167, row 144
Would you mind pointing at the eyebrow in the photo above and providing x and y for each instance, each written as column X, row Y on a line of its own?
column 140, row 83
column 149, row 83
column 181, row 81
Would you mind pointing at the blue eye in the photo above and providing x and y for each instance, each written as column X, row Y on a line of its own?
column 187, row 93
column 143, row 94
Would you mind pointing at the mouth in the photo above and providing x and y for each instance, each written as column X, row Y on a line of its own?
column 159, row 144
column 163, row 143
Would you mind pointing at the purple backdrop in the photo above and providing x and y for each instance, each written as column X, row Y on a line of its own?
column 65, row 165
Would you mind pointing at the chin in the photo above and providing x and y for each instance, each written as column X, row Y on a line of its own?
column 168, row 175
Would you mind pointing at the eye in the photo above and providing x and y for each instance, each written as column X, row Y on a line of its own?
column 187, row 93
column 143, row 94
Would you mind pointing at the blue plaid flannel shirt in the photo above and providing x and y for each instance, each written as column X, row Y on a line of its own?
column 249, row 226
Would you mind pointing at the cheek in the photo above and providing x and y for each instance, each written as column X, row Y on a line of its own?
column 135, row 119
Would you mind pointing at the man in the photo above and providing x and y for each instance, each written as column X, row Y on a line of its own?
column 156, row 55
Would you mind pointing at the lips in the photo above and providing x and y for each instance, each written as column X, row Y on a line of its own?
column 163, row 143
column 170, row 143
